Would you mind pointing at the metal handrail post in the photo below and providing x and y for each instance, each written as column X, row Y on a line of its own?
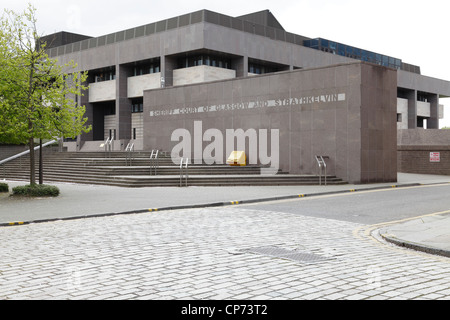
column 108, row 143
column 320, row 169
column 187, row 173
column 129, row 149
column 184, row 172
column 151, row 161
column 111, row 144
column 154, row 161
column 157, row 161
column 181, row 172
column 325, row 168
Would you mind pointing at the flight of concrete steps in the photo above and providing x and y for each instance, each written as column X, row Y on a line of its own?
column 115, row 169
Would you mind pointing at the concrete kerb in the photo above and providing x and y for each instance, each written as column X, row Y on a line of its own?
column 206, row 205
column 415, row 246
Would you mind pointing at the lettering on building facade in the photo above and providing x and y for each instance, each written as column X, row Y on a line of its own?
column 251, row 104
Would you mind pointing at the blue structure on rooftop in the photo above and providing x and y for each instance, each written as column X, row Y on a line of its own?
column 352, row 52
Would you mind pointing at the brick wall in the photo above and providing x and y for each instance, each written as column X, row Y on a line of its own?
column 414, row 148
column 416, row 159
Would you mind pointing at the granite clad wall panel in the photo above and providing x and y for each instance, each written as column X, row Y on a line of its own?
column 342, row 111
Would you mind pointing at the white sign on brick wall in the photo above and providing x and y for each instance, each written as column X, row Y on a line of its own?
column 435, row 157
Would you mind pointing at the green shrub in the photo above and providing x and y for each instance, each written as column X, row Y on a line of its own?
column 4, row 187
column 37, row 190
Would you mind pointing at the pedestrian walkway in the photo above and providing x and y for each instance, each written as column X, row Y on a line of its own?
column 431, row 234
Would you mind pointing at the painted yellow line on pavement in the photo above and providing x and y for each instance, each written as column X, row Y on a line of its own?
column 15, row 223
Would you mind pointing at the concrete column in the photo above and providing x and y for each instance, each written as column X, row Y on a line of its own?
column 412, row 109
column 123, row 104
column 168, row 64
column 84, row 101
column 241, row 66
column 433, row 121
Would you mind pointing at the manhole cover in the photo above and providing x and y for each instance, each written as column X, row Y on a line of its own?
column 270, row 251
column 294, row 255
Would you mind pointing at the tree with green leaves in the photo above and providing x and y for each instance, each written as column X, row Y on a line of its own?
column 37, row 94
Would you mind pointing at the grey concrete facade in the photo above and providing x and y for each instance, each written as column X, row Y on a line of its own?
column 166, row 46
column 345, row 112
column 358, row 134
column 254, row 37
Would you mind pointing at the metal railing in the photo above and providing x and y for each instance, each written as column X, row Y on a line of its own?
column 23, row 153
column 322, row 168
column 154, row 162
column 184, row 172
column 109, row 146
column 129, row 153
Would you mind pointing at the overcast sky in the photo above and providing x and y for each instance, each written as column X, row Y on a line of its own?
column 411, row 30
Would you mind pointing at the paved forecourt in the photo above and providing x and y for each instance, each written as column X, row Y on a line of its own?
column 78, row 200
column 226, row 252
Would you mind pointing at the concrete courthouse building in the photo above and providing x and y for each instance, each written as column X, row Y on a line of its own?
column 208, row 75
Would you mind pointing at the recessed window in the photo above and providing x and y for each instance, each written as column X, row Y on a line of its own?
column 146, row 69
column 204, row 60
column 256, row 68
column 137, row 105
column 104, row 75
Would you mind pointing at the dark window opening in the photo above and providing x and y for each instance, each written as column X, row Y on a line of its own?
column 137, row 105
column 257, row 67
column 421, row 122
column 204, row 60
column 101, row 75
column 147, row 69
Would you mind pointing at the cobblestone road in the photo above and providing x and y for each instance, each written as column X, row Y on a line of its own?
column 220, row 253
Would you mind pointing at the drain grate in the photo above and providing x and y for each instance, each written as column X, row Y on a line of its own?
column 294, row 255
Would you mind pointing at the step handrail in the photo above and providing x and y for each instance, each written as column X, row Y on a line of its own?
column 322, row 167
column 27, row 152
column 129, row 155
column 154, row 161
column 184, row 172
column 109, row 145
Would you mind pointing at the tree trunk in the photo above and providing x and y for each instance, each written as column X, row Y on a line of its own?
column 30, row 124
column 32, row 169
column 41, row 172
